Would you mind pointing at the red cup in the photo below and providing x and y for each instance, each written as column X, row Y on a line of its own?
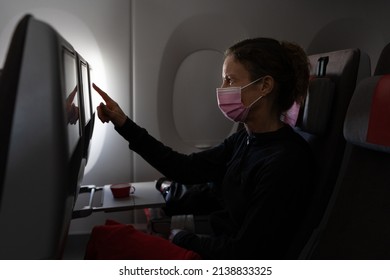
column 122, row 190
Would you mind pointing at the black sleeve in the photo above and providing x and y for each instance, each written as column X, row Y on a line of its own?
column 195, row 168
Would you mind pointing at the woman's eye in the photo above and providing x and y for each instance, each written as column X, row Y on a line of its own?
column 228, row 81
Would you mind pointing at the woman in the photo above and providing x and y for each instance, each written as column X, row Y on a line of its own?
column 259, row 171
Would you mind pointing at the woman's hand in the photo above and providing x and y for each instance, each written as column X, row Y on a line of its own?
column 110, row 111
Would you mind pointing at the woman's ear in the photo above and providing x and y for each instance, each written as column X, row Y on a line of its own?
column 266, row 86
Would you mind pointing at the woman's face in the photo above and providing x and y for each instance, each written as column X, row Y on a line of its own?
column 234, row 74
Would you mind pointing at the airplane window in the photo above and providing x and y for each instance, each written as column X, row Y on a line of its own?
column 197, row 118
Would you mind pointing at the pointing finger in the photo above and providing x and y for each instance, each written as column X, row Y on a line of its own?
column 104, row 95
column 72, row 95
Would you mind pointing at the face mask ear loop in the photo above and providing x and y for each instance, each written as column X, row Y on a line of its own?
column 251, row 83
column 250, row 105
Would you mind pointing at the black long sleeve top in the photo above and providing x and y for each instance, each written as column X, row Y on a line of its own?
column 264, row 180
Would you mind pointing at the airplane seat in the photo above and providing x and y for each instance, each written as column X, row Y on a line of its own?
column 8, row 88
column 356, row 223
column 41, row 149
column 334, row 76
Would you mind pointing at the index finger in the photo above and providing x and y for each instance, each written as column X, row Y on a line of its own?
column 104, row 95
column 72, row 95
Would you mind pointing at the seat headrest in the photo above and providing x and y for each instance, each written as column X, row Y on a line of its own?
column 367, row 122
column 334, row 78
column 338, row 63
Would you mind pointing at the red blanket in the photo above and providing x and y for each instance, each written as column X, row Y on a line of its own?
column 119, row 241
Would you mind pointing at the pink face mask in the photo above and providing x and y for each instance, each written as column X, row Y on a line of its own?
column 229, row 101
